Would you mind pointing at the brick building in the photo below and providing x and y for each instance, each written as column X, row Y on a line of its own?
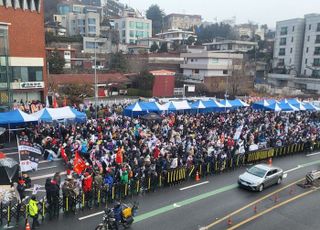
column 22, row 51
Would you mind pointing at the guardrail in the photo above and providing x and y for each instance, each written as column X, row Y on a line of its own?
column 17, row 213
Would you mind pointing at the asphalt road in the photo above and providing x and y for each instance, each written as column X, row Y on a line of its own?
column 196, row 207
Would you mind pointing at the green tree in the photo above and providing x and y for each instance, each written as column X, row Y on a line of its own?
column 56, row 62
column 118, row 62
column 154, row 47
column 156, row 15
column 191, row 40
column 217, row 30
column 163, row 48
column 76, row 92
column 144, row 81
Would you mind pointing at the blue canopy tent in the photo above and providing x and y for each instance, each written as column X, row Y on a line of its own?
column 238, row 103
column 14, row 117
column 58, row 114
column 197, row 106
column 273, row 107
column 287, row 107
column 310, row 107
column 226, row 104
column 292, row 101
column 142, row 108
column 177, row 106
column 213, row 106
column 260, row 105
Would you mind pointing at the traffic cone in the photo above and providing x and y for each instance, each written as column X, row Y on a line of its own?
column 197, row 176
column 255, row 208
column 270, row 161
column 229, row 221
column 28, row 226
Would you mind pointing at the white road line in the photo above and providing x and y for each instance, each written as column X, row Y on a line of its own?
column 91, row 215
column 46, row 161
column 11, row 153
column 46, row 176
column 312, row 154
column 49, row 167
column 293, row 169
column 195, row 185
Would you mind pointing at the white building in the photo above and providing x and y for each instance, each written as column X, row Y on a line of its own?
column 311, row 50
column 230, row 45
column 103, row 45
column 84, row 24
column 132, row 27
column 177, row 36
column 197, row 66
column 288, row 44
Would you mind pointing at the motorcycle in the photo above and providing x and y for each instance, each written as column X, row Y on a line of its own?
column 109, row 221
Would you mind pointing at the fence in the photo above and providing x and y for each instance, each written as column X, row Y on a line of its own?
column 17, row 213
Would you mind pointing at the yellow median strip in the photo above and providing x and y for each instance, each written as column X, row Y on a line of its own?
column 250, row 204
column 270, row 209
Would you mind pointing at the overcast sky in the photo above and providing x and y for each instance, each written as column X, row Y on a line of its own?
column 259, row 11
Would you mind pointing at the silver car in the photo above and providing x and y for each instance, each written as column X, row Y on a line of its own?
column 260, row 176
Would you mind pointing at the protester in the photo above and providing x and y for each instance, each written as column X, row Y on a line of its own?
column 34, row 211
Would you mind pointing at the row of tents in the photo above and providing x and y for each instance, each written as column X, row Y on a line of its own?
column 44, row 115
column 206, row 106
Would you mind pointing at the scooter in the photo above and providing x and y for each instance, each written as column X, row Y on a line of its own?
column 109, row 221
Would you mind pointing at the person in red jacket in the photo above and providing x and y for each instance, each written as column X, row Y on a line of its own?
column 87, row 189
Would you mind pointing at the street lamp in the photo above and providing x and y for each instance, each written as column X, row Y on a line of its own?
column 95, row 79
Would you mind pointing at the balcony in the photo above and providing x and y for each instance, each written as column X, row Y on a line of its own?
column 283, row 33
column 317, row 41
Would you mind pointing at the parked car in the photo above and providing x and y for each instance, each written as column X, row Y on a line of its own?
column 260, row 176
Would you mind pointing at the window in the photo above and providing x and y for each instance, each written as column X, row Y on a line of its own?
column 146, row 26
column 283, row 41
column 214, row 60
column 123, row 33
column 316, row 62
column 139, row 34
column 317, row 51
column 132, row 25
column 91, row 29
column 139, row 25
column 131, row 41
column 305, row 72
column 292, row 28
column 3, row 41
column 123, row 24
column 282, row 52
column 225, row 71
column 191, row 60
column 310, row 27
column 308, row 39
column 196, row 71
column 317, row 39
column 81, row 22
column 132, row 33
column 306, row 61
column 291, row 50
column 290, row 61
column 307, row 50
column 316, row 73
column 281, row 62
column 91, row 21
column 318, row 27
column 90, row 45
column 284, row 31
column 292, row 39
column 26, row 74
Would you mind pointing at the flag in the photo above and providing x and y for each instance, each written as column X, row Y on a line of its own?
column 29, row 154
column 119, row 156
column 78, row 163
column 238, row 132
column 64, row 101
column 47, row 102
column 55, row 103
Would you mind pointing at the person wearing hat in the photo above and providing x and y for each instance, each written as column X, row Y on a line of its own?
column 33, row 211
column 87, row 188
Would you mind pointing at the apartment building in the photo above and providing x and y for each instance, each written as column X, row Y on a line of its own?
column 181, row 21
column 311, row 50
column 132, row 27
column 288, row 45
column 230, row 45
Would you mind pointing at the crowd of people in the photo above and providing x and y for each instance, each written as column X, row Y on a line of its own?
column 115, row 149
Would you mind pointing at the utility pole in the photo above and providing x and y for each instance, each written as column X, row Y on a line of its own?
column 95, row 79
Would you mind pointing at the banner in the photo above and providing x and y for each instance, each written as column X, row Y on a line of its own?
column 78, row 164
column 29, row 154
column 238, row 132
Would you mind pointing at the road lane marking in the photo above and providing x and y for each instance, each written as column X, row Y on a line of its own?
column 195, row 185
column 170, row 207
column 47, row 176
column 250, row 204
column 312, row 154
column 49, row 167
column 91, row 215
column 272, row 208
column 293, row 169
column 46, row 161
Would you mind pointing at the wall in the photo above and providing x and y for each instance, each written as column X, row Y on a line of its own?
column 163, row 86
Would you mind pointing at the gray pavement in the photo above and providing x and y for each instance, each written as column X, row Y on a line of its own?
column 170, row 208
